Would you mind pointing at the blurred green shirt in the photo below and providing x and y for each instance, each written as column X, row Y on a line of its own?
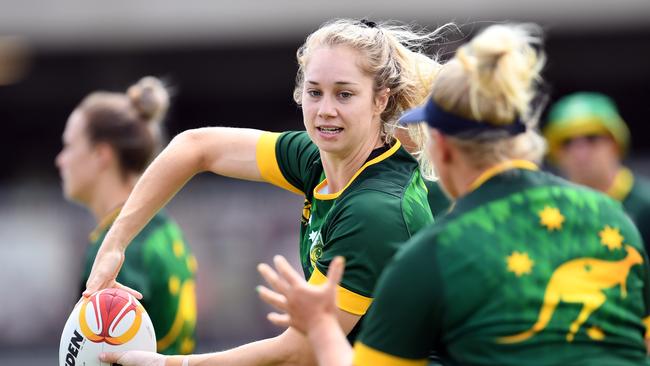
column 159, row 265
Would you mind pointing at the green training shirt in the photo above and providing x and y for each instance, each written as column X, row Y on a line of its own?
column 634, row 192
column 527, row 269
column 438, row 201
column 159, row 265
column 381, row 207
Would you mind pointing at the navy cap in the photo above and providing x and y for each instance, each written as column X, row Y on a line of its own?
column 451, row 124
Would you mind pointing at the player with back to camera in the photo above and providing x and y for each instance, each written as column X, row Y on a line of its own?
column 108, row 141
column 527, row 268
column 364, row 193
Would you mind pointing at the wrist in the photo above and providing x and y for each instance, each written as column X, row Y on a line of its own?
column 323, row 325
column 176, row 361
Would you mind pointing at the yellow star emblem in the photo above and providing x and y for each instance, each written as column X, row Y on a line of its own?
column 611, row 238
column 519, row 263
column 596, row 333
column 551, row 217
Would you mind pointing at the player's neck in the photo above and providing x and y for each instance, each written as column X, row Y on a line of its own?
column 340, row 170
column 109, row 194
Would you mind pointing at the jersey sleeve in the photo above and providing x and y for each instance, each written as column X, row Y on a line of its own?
column 403, row 325
column 284, row 160
column 367, row 232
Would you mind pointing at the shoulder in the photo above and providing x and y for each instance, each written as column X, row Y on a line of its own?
column 372, row 199
column 297, row 140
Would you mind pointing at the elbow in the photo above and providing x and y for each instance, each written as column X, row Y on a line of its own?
column 190, row 144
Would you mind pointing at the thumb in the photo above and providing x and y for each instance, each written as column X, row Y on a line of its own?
column 335, row 271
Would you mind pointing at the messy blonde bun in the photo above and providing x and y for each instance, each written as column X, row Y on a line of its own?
column 493, row 79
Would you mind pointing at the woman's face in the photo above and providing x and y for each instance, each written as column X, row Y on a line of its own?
column 340, row 110
column 588, row 159
column 77, row 162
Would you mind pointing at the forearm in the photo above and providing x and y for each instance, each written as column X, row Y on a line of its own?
column 289, row 348
column 167, row 174
column 331, row 347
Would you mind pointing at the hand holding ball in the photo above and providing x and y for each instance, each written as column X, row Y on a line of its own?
column 110, row 320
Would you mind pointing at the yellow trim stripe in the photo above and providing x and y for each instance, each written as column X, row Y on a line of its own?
column 104, row 224
column 346, row 300
column 267, row 162
column 365, row 356
column 500, row 168
column 622, row 184
column 331, row 196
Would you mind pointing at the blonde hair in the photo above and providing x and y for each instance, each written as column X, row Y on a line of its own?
column 493, row 79
column 394, row 56
column 129, row 122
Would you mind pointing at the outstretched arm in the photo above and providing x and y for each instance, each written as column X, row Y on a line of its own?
column 315, row 311
column 325, row 343
column 225, row 151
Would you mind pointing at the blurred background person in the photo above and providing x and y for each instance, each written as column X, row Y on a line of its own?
column 587, row 140
column 108, row 141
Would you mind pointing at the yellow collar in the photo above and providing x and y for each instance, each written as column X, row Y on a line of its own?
column 622, row 184
column 500, row 168
column 331, row 196
column 104, row 224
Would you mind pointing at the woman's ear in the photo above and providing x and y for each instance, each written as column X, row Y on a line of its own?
column 441, row 144
column 381, row 101
column 105, row 153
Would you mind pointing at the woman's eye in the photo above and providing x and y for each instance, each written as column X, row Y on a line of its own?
column 313, row 93
column 345, row 95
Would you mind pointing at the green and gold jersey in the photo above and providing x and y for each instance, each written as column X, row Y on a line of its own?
column 526, row 269
column 634, row 192
column 159, row 265
column 381, row 207
column 438, row 201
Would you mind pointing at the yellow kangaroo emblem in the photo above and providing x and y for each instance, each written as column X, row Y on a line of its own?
column 582, row 281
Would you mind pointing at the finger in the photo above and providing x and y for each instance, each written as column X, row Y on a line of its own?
column 272, row 278
column 272, row 298
column 286, row 271
column 281, row 320
column 111, row 357
column 93, row 285
column 133, row 292
column 335, row 271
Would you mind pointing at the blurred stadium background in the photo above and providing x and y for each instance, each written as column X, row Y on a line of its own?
column 229, row 63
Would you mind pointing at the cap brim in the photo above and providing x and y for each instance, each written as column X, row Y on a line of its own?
column 414, row 115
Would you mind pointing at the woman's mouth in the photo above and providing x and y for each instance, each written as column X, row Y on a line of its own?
column 329, row 130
